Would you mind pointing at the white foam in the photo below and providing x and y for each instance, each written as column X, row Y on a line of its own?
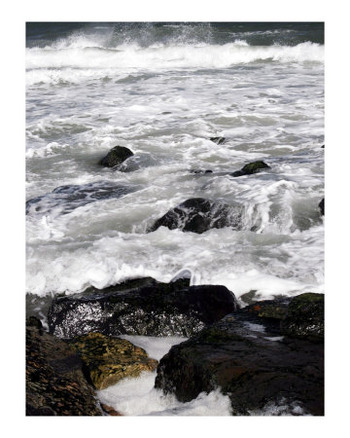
column 93, row 62
column 137, row 396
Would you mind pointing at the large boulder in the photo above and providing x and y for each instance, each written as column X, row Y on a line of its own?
column 140, row 307
column 250, row 168
column 247, row 356
column 116, row 156
column 55, row 384
column 108, row 360
column 199, row 215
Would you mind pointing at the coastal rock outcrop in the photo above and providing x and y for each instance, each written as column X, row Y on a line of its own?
column 250, row 168
column 55, row 384
column 140, row 307
column 252, row 361
column 108, row 360
column 116, row 156
column 199, row 215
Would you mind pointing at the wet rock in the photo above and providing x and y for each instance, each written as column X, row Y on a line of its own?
column 321, row 207
column 65, row 199
column 55, row 384
column 305, row 317
column 116, row 156
column 248, row 357
column 110, row 411
column 269, row 309
column 249, row 169
column 140, row 307
column 218, row 140
column 199, row 215
column 200, row 171
column 108, row 360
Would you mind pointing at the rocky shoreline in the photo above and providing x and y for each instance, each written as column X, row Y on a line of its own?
column 262, row 353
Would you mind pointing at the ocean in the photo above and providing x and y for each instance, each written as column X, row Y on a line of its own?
column 164, row 90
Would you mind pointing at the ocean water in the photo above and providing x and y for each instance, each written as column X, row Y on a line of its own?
column 163, row 90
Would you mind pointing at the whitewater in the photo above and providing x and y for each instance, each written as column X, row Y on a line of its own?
column 164, row 92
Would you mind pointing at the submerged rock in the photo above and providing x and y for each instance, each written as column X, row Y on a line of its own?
column 199, row 215
column 108, row 360
column 321, row 207
column 140, row 307
column 116, row 156
column 55, row 384
column 248, row 357
column 218, row 140
column 65, row 199
column 251, row 168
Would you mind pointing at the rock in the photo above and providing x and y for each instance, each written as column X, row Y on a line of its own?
column 65, row 199
column 108, row 360
column 246, row 356
column 218, row 140
column 305, row 317
column 110, row 411
column 55, row 384
column 199, row 215
column 140, row 307
column 251, row 168
column 116, row 156
column 269, row 309
column 200, row 171
column 321, row 207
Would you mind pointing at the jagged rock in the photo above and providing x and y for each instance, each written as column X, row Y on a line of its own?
column 321, row 207
column 55, row 384
column 250, row 360
column 108, row 360
column 251, row 168
column 116, row 156
column 305, row 317
column 218, row 140
column 199, row 215
column 140, row 307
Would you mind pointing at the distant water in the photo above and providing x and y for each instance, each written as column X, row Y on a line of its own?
column 163, row 90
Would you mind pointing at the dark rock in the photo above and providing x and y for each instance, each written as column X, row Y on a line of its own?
column 55, row 384
column 322, row 146
column 269, row 309
column 140, row 307
column 33, row 321
column 65, row 199
column 251, row 168
column 250, row 363
column 116, row 156
column 200, row 171
column 218, row 140
column 108, row 360
column 199, row 215
column 321, row 207
column 305, row 317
